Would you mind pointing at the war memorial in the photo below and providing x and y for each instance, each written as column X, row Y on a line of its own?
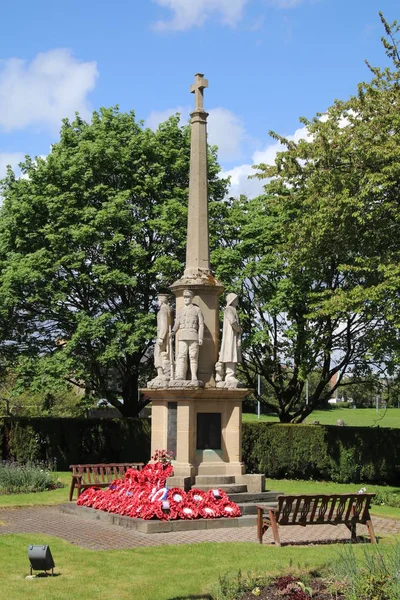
column 196, row 398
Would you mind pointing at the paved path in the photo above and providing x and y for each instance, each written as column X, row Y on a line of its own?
column 98, row 535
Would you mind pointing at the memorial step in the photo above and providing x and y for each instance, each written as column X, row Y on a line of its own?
column 213, row 480
column 229, row 488
column 257, row 498
column 250, row 508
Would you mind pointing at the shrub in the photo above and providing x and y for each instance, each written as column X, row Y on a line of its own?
column 16, row 478
column 234, row 586
column 341, row 454
column 388, row 497
column 73, row 441
column 373, row 576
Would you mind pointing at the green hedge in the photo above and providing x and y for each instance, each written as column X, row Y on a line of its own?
column 329, row 452
column 71, row 441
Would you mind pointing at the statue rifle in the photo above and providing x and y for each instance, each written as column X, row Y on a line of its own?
column 171, row 352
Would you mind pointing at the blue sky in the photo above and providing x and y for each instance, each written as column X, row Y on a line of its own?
column 267, row 61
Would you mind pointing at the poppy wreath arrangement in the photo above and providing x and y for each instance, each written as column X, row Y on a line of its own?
column 143, row 494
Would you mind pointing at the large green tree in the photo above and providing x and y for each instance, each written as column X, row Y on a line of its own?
column 317, row 256
column 88, row 236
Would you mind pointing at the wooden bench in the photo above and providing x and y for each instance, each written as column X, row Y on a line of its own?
column 313, row 509
column 99, row 475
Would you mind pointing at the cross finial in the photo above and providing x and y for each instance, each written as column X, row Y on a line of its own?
column 197, row 88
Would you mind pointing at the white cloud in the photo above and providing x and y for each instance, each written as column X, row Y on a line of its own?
column 191, row 13
column 157, row 117
column 240, row 182
column 10, row 158
column 225, row 129
column 41, row 93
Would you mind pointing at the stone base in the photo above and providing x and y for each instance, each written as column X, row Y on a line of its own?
column 180, row 482
column 255, row 482
column 175, row 426
column 151, row 526
column 216, row 468
column 185, row 383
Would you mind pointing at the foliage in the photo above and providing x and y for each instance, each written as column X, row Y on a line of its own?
column 74, row 441
column 88, row 237
column 18, row 478
column 51, row 497
column 375, row 576
column 387, row 497
column 317, row 256
column 61, row 402
column 233, row 586
column 340, row 454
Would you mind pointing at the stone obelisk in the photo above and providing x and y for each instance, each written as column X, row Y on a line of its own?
column 197, row 248
column 196, row 419
column 197, row 275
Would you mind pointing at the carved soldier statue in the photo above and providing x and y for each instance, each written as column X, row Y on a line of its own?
column 230, row 353
column 162, row 346
column 190, row 324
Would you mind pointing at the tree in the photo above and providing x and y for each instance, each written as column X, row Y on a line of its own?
column 61, row 402
column 88, row 237
column 317, row 256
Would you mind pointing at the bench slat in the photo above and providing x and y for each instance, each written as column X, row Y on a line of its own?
column 310, row 509
column 100, row 474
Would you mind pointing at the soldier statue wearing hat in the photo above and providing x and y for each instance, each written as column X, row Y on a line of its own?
column 190, row 324
column 230, row 353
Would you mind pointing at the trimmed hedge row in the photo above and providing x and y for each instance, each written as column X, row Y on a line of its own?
column 71, row 441
column 329, row 452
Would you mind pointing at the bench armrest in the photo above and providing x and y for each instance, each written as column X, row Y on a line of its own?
column 264, row 508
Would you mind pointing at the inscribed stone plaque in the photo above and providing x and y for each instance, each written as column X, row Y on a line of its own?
column 172, row 427
column 209, row 431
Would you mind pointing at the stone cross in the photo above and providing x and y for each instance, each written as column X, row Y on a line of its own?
column 197, row 89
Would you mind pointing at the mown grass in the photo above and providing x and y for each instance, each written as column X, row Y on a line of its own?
column 158, row 573
column 359, row 417
column 161, row 573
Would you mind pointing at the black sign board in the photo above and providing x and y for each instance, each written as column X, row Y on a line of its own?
column 172, row 427
column 209, row 431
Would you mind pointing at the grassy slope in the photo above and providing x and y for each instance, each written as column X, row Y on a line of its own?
column 362, row 417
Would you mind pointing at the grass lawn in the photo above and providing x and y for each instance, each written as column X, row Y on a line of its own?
column 160, row 573
column 362, row 417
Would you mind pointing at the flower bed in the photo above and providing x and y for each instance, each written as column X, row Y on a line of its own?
column 143, row 494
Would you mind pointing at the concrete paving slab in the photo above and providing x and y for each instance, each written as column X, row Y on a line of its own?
column 101, row 535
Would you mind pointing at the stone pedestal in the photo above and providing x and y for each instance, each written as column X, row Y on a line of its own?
column 202, row 427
